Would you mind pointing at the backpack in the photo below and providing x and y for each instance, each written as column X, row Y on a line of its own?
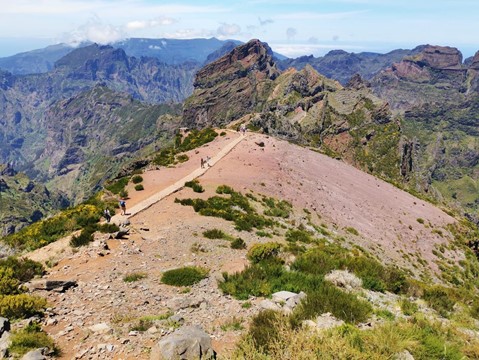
column 122, row 203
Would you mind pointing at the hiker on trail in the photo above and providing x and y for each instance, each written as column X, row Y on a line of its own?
column 243, row 129
column 207, row 161
column 107, row 215
column 202, row 163
column 123, row 207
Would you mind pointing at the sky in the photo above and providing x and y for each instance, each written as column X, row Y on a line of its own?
column 291, row 27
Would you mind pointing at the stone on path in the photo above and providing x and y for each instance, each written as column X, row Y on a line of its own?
column 51, row 285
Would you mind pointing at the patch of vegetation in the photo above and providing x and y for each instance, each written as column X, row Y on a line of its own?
column 46, row 231
column 135, row 276
column 259, row 252
column 238, row 244
column 136, row 179
column 440, row 299
column 30, row 338
column 352, row 230
column 117, row 186
column 420, row 220
column 298, row 235
column 408, row 307
column 234, row 208
column 262, row 233
column 195, row 138
column 182, row 158
column 277, row 208
column 195, row 185
column 185, row 276
column 234, row 324
column 215, row 234
column 85, row 237
column 139, row 187
column 21, row 306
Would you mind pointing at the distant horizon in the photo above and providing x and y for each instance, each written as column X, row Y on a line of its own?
column 11, row 47
column 303, row 27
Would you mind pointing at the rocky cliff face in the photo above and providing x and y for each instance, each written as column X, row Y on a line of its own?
column 438, row 99
column 244, row 74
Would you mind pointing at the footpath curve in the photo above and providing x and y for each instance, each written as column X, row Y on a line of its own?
column 145, row 204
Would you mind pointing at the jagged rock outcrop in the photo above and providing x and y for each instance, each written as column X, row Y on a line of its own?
column 475, row 62
column 243, row 74
column 440, row 57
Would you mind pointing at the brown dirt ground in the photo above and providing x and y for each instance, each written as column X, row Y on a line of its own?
column 341, row 196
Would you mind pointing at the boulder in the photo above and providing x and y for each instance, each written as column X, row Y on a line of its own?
column 187, row 343
column 51, row 285
column 5, row 343
column 344, row 279
column 38, row 354
column 101, row 328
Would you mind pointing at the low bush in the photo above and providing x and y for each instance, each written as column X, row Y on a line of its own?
column 215, row 234
column 224, row 189
column 118, row 185
column 238, row 244
column 277, row 208
column 182, row 158
column 294, row 235
column 31, row 338
column 185, row 276
column 264, row 329
column 85, row 237
column 136, row 179
column 235, row 208
column 108, row 228
column 195, row 185
column 259, row 252
column 23, row 269
column 330, row 299
column 21, row 306
column 439, row 299
column 139, row 187
column 135, row 276
column 408, row 307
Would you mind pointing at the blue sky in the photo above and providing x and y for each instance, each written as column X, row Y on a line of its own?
column 293, row 27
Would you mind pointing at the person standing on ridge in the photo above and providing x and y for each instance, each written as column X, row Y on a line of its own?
column 123, row 207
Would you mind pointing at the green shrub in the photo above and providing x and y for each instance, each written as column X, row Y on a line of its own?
column 420, row 220
column 195, row 185
column 408, row 307
column 23, row 269
column 439, row 299
column 137, row 179
column 30, row 338
column 117, row 186
column 215, row 234
column 224, row 189
column 223, row 133
column 9, row 285
column 352, row 230
column 328, row 298
column 294, row 235
column 277, row 208
column 21, row 306
column 85, row 237
column 142, row 325
column 238, row 244
column 123, row 194
column 182, row 158
column 108, row 228
column 259, row 252
column 235, row 208
column 264, row 329
column 135, row 276
column 185, row 276
column 139, row 187
column 262, row 233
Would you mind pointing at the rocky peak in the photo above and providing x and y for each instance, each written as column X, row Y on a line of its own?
column 232, row 86
column 254, row 56
column 475, row 62
column 438, row 57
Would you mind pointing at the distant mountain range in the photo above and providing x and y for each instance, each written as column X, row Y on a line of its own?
column 408, row 116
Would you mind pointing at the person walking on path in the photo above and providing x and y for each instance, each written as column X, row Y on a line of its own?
column 107, row 215
column 123, row 207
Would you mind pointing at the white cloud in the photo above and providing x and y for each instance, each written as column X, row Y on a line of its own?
column 188, row 34
column 96, row 31
column 160, row 21
column 228, row 30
